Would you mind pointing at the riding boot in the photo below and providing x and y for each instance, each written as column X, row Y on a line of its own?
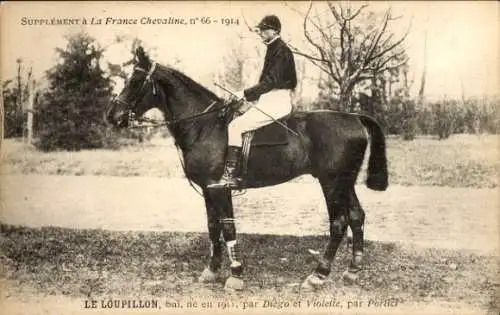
column 230, row 177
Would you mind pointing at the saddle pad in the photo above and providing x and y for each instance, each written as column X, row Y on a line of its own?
column 272, row 134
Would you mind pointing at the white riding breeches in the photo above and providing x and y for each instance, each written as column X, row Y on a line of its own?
column 276, row 103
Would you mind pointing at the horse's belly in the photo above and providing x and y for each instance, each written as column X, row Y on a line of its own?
column 272, row 165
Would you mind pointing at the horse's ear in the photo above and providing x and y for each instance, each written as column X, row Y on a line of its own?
column 141, row 55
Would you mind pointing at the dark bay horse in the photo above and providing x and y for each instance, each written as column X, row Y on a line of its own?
column 330, row 147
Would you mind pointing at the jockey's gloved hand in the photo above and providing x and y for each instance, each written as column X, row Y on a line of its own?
column 236, row 96
column 239, row 96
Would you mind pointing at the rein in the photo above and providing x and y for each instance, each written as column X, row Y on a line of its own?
column 156, row 123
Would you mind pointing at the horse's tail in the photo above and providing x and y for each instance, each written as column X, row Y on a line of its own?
column 377, row 164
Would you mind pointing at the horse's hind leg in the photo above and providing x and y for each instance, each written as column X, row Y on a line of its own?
column 336, row 195
column 356, row 222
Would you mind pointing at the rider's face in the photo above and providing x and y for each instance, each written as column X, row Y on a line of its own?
column 266, row 35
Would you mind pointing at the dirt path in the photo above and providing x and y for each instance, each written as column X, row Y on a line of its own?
column 457, row 218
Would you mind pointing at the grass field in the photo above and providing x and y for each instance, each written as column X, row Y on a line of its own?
column 461, row 161
column 93, row 264
column 40, row 267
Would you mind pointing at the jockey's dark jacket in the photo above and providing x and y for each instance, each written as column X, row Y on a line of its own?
column 278, row 71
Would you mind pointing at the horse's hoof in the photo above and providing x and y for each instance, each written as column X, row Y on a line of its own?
column 312, row 283
column 350, row 277
column 208, row 276
column 234, row 284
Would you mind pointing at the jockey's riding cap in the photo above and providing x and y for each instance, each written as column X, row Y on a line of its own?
column 270, row 22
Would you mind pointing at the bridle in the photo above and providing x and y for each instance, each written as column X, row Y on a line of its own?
column 148, row 79
column 153, row 122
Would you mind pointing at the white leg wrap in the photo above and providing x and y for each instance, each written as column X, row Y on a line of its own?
column 231, row 248
column 211, row 249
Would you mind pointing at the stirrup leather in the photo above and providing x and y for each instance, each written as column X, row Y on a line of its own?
column 230, row 177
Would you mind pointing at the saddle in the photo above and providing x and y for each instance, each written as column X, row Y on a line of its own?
column 272, row 134
column 269, row 135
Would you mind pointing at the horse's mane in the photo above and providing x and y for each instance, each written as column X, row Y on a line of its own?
column 191, row 84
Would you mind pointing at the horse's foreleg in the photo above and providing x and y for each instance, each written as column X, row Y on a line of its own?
column 224, row 202
column 211, row 273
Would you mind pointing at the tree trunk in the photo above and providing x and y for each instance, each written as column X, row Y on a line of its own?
column 375, row 94
column 421, row 90
column 346, row 98
column 383, row 91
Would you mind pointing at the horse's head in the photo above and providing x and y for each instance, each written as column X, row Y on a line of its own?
column 137, row 95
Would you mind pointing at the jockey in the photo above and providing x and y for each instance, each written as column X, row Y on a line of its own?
column 272, row 95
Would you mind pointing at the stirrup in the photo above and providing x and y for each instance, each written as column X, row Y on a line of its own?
column 229, row 183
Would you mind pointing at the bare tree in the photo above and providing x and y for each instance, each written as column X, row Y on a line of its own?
column 19, row 62
column 421, row 90
column 351, row 45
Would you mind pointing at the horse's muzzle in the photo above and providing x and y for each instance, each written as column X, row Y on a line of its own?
column 116, row 117
column 123, row 121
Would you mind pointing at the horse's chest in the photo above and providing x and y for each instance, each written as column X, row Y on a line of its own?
column 204, row 163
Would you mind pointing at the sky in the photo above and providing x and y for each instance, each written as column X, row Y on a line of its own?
column 462, row 37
